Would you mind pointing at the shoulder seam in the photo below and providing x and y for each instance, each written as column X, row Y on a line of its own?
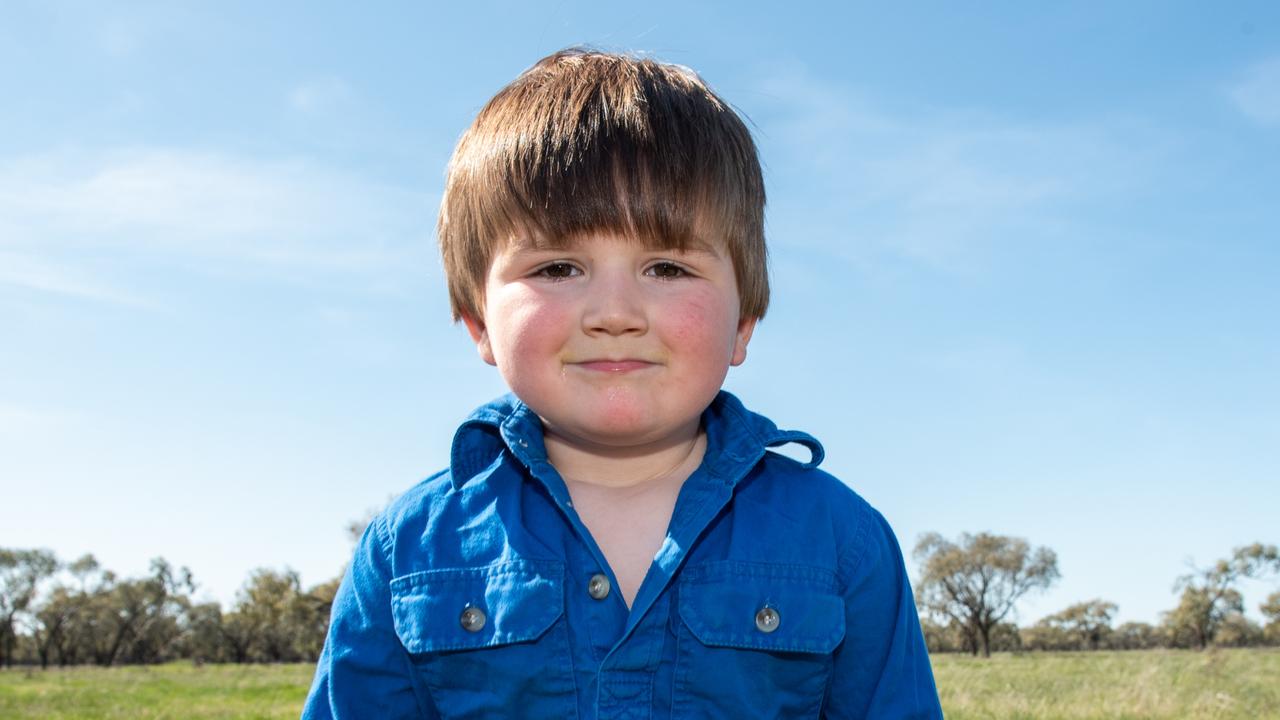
column 384, row 534
column 859, row 541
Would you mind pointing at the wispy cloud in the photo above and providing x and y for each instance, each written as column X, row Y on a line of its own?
column 935, row 185
column 30, row 273
column 177, row 205
column 1257, row 93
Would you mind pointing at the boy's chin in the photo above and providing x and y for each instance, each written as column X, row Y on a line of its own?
column 618, row 429
column 621, row 416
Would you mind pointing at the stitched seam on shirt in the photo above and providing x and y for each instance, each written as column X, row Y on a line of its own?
column 383, row 533
column 493, row 642
column 464, row 575
column 469, row 575
column 718, row 570
column 860, row 535
column 817, row 647
column 651, row 661
column 680, row 673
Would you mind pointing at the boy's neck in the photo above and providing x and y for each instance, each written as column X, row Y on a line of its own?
column 672, row 459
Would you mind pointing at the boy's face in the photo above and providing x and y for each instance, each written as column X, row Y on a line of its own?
column 611, row 343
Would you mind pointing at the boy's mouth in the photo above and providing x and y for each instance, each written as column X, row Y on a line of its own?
column 613, row 366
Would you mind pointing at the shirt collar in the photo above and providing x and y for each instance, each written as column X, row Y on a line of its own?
column 736, row 438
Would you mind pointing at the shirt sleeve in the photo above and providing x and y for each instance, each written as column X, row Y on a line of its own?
column 364, row 671
column 881, row 670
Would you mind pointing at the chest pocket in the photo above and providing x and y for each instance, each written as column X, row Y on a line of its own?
column 755, row 639
column 488, row 639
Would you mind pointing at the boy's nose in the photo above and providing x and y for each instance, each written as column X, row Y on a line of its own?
column 614, row 307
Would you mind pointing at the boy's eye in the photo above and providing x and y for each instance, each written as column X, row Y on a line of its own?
column 666, row 270
column 558, row 271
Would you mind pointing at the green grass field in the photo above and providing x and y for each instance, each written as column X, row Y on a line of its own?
column 173, row 692
column 1223, row 685
column 1155, row 685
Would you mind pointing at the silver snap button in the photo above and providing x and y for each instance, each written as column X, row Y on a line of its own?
column 767, row 619
column 598, row 586
column 472, row 619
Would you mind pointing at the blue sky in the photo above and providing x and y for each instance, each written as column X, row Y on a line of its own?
column 1025, row 267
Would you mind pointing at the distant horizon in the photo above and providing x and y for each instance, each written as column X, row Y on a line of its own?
column 1024, row 269
column 1255, row 590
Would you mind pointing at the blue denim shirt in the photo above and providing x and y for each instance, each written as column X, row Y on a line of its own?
column 778, row 592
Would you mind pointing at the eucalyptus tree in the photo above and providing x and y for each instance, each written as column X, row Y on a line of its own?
column 135, row 619
column 976, row 582
column 1271, row 611
column 21, row 572
column 268, row 602
column 1209, row 596
column 1085, row 625
column 57, row 622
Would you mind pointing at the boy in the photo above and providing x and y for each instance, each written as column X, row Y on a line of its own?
column 613, row 540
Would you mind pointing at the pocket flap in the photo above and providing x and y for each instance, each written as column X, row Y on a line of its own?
column 720, row 602
column 517, row 601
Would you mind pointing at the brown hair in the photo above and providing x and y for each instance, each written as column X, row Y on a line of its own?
column 586, row 142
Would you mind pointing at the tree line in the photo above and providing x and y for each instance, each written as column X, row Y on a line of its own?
column 77, row 613
column 968, row 589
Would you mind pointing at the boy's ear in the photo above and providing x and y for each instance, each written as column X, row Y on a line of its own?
column 480, row 335
column 746, row 326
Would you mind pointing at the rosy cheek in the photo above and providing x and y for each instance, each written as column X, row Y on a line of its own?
column 533, row 325
column 701, row 321
column 688, row 327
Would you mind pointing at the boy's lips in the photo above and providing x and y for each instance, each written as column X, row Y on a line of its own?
column 613, row 366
